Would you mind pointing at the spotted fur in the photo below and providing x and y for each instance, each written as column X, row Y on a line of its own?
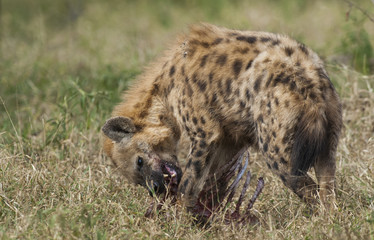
column 226, row 89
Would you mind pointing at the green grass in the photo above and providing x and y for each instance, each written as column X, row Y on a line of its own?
column 63, row 67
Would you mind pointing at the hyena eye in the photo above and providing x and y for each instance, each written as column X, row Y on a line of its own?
column 140, row 161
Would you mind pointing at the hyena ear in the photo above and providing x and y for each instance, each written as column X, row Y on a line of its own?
column 117, row 128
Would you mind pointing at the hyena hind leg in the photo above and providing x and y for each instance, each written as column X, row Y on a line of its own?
column 308, row 190
column 303, row 186
column 325, row 172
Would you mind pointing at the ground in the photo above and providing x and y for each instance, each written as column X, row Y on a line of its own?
column 63, row 66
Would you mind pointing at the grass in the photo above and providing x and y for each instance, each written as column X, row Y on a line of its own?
column 62, row 69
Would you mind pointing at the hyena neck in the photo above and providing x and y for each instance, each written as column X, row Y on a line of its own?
column 159, row 126
column 144, row 105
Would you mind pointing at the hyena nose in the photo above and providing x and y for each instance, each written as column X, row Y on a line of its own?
column 156, row 187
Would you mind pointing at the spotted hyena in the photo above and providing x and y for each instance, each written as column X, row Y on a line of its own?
column 225, row 90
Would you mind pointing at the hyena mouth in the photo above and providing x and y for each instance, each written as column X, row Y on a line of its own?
column 172, row 176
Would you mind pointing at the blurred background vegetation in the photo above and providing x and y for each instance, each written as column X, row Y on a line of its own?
column 64, row 63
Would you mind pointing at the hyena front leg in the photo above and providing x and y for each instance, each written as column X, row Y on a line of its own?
column 197, row 168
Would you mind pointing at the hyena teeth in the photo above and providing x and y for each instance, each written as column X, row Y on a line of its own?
column 173, row 175
column 166, row 175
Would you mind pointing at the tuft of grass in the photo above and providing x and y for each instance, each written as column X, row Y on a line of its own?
column 63, row 67
column 356, row 44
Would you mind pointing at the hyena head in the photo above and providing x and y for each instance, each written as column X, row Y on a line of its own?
column 140, row 161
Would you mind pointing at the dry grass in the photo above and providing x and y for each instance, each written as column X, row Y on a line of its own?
column 63, row 66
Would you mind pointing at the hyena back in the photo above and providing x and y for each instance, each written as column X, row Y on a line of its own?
column 225, row 90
